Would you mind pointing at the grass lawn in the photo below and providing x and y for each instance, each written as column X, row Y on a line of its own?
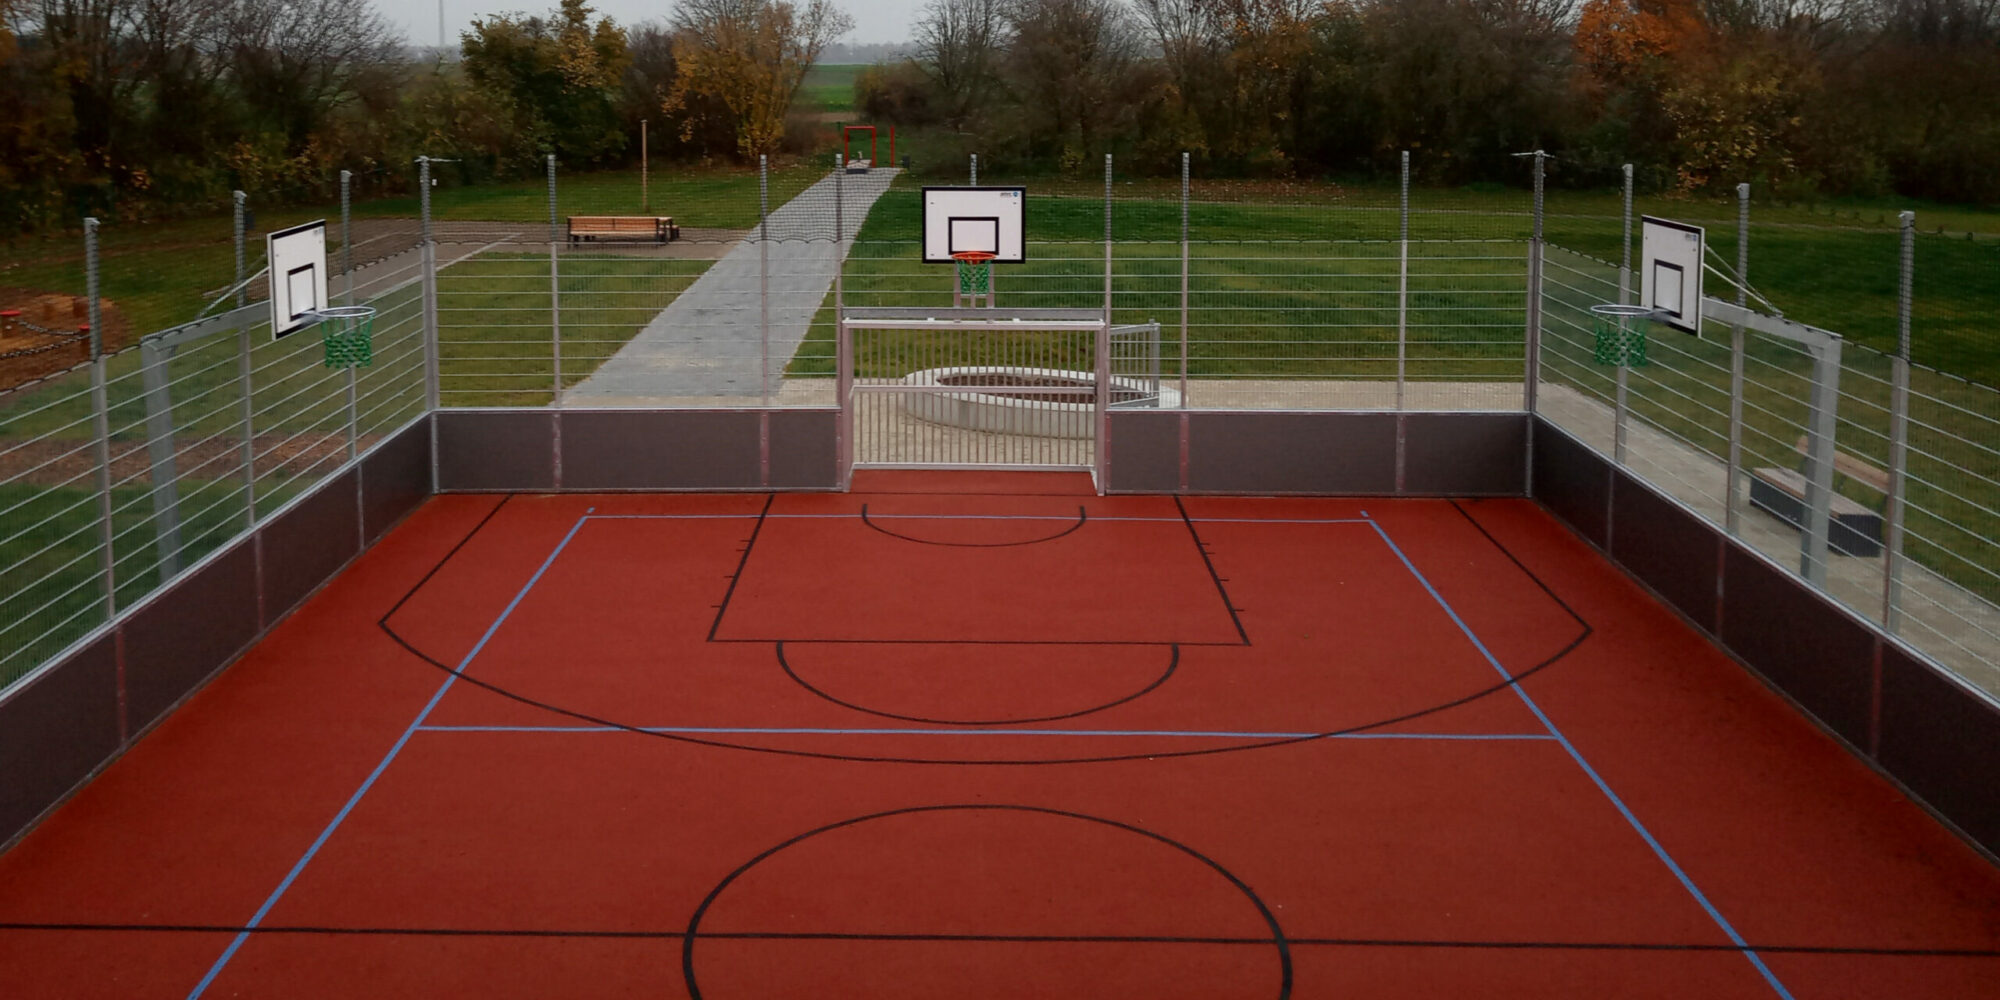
column 697, row 197
column 1274, row 291
column 158, row 275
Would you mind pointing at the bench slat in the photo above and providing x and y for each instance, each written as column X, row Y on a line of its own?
column 1851, row 467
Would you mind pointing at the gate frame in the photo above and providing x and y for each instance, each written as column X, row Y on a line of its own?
column 970, row 320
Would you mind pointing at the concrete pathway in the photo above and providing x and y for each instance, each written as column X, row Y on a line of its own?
column 711, row 340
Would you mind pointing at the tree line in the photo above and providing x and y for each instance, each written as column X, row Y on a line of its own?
column 146, row 108
column 137, row 108
column 1803, row 97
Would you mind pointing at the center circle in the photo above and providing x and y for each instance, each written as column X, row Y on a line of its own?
column 983, row 900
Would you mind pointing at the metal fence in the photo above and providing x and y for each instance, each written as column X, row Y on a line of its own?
column 1297, row 296
column 147, row 450
column 129, row 449
column 1727, row 422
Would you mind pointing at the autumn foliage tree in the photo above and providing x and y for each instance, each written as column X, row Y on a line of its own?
column 747, row 59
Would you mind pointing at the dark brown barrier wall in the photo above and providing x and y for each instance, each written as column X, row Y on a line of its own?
column 1936, row 735
column 632, row 449
column 1317, row 452
column 58, row 727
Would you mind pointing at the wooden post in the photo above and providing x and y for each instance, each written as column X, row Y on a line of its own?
column 645, row 198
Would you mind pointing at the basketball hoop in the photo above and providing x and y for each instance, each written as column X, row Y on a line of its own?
column 1618, row 340
column 975, row 273
column 347, row 332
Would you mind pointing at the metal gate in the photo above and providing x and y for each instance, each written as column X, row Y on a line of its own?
column 987, row 388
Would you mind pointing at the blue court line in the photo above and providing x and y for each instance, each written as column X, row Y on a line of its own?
column 1659, row 850
column 373, row 776
column 801, row 731
column 970, row 517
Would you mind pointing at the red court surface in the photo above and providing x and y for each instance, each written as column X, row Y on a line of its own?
column 989, row 737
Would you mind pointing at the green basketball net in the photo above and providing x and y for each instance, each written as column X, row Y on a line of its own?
column 348, row 334
column 975, row 272
column 1620, row 335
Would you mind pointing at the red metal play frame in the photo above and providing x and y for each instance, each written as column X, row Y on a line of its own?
column 917, row 740
column 847, row 142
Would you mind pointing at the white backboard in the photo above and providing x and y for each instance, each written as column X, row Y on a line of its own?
column 1670, row 260
column 298, row 276
column 975, row 218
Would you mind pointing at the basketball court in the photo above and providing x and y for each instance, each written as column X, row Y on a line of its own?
column 989, row 735
column 1011, row 722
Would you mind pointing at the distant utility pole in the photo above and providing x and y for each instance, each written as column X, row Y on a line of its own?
column 645, row 202
column 441, row 41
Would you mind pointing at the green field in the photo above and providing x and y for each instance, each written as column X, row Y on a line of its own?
column 829, row 88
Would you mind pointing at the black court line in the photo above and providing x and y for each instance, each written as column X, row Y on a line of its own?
column 1081, row 517
column 810, row 640
column 1518, row 564
column 1202, row 547
column 1505, row 684
column 755, row 530
column 1173, row 663
column 1276, row 938
column 439, row 565
column 1495, row 944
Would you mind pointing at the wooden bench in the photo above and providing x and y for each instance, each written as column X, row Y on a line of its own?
column 1854, row 529
column 658, row 228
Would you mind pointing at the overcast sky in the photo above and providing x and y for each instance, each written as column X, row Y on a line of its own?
column 874, row 20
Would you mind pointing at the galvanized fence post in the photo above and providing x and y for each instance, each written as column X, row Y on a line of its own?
column 247, row 409
column 100, row 405
column 1732, row 516
column 1403, row 285
column 1184, row 280
column 241, row 217
column 1533, row 345
column 555, row 290
column 1101, row 381
column 764, row 274
column 347, row 268
column 843, row 339
column 1622, row 408
column 975, row 170
column 1899, row 433
column 433, row 349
